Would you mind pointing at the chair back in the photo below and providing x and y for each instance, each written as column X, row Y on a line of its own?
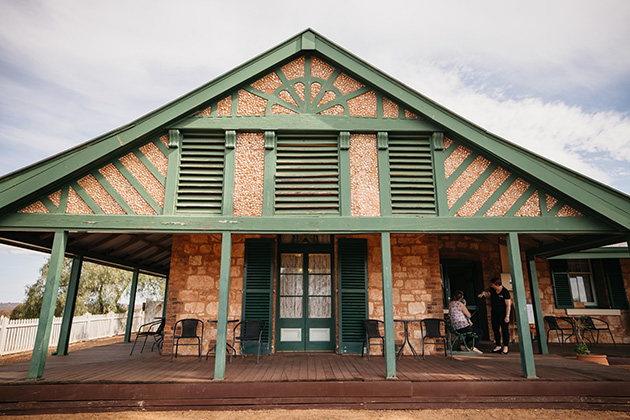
column 251, row 329
column 160, row 328
column 587, row 323
column 552, row 322
column 432, row 327
column 372, row 328
column 188, row 327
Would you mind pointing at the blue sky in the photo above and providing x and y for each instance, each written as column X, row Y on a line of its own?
column 553, row 77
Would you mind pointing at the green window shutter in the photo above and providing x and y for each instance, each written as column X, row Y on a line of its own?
column 258, row 287
column 307, row 176
column 616, row 286
column 353, row 296
column 200, row 186
column 561, row 285
column 411, row 176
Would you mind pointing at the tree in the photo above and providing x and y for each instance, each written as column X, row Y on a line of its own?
column 101, row 290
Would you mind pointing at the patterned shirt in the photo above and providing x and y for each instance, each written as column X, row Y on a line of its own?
column 458, row 318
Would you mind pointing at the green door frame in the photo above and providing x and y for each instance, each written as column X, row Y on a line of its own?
column 305, row 322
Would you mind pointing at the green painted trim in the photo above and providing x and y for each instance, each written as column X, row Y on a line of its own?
column 520, row 307
column 86, row 198
column 521, row 201
column 165, row 300
column 163, row 148
column 269, row 180
column 305, row 122
column 172, row 172
column 438, row 156
column 496, row 195
column 149, row 165
column 538, row 312
column 310, row 224
column 63, row 200
column 140, row 189
column 596, row 253
column 229, row 172
column 112, row 191
column 224, row 305
column 384, row 185
column 47, row 202
column 460, row 169
column 472, row 189
column 575, row 244
column 388, row 306
column 44, row 327
column 132, row 304
column 345, row 192
column 70, row 305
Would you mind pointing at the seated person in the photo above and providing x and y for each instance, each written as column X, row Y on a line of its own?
column 460, row 317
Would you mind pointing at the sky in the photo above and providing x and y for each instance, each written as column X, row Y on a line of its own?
column 551, row 76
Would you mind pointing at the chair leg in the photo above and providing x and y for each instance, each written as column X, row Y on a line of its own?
column 258, row 354
column 134, row 345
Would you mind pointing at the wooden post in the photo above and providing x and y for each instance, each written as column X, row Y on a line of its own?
column 520, row 306
column 388, row 306
column 538, row 313
column 68, row 311
column 224, row 304
column 132, row 304
column 44, row 327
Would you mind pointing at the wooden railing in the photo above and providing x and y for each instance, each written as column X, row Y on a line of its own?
column 18, row 335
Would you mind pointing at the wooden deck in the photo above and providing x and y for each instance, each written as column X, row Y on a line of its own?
column 107, row 378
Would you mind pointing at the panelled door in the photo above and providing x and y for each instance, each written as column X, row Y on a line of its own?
column 305, row 308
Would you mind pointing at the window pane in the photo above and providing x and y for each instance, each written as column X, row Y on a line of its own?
column 319, row 263
column 319, row 307
column 319, row 285
column 291, row 284
column 290, row 307
column 291, row 263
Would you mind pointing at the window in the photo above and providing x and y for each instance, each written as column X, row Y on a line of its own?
column 581, row 281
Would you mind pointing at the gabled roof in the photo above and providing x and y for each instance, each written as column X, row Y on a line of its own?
column 18, row 188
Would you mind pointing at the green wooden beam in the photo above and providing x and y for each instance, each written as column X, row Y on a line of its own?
column 224, row 305
column 137, row 186
column 269, row 180
column 165, row 296
column 68, row 311
column 538, row 312
column 323, row 224
column 388, row 306
column 49, row 301
column 520, row 307
column 345, row 194
column 438, row 155
column 172, row 171
column 86, row 198
column 112, row 191
column 229, row 168
column 132, row 304
column 309, row 122
column 582, row 242
column 150, row 166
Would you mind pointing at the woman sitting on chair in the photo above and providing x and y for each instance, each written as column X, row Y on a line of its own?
column 460, row 317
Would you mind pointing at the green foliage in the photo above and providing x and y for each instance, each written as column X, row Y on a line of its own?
column 581, row 348
column 101, row 289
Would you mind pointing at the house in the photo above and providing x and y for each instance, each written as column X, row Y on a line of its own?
column 310, row 190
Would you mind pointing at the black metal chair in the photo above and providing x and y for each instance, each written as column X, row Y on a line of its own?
column 455, row 336
column 372, row 332
column 187, row 329
column 250, row 332
column 433, row 328
column 587, row 325
column 554, row 325
column 153, row 329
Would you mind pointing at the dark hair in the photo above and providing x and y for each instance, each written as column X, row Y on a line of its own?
column 458, row 295
column 496, row 281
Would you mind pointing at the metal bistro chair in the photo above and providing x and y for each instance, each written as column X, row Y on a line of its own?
column 433, row 328
column 250, row 332
column 589, row 326
column 457, row 337
column 153, row 329
column 187, row 331
column 372, row 332
column 553, row 324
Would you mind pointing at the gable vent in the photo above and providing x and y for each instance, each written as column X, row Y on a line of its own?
column 200, row 187
column 411, row 176
column 307, row 176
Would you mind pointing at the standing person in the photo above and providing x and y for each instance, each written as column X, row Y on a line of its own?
column 501, row 305
column 460, row 317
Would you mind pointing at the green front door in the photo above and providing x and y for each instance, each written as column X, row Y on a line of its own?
column 305, row 307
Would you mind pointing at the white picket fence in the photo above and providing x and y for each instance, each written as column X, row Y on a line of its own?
column 17, row 335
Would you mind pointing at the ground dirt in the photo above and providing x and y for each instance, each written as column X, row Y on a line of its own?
column 444, row 414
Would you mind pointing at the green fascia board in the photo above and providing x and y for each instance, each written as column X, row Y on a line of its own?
column 617, row 252
column 306, row 224
column 603, row 200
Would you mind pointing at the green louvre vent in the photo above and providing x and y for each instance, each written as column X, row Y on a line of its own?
column 353, row 297
column 200, row 187
column 411, row 176
column 307, row 176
